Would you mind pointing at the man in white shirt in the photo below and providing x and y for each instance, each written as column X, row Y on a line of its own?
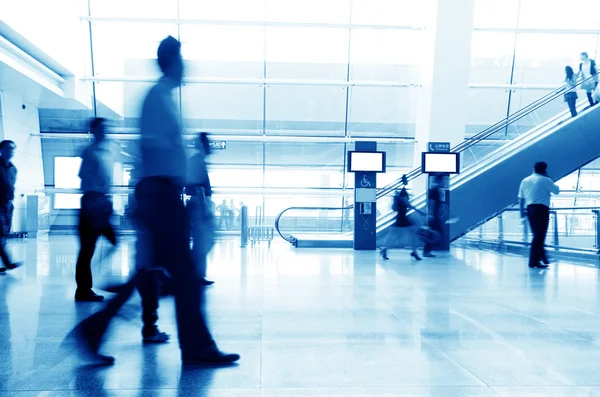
column 534, row 201
column 96, row 208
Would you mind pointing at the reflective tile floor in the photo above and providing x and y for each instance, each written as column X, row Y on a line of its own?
column 319, row 323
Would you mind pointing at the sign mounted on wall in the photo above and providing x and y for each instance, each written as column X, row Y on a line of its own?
column 218, row 145
column 439, row 147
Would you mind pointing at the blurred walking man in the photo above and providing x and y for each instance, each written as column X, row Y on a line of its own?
column 96, row 209
column 162, row 212
column 534, row 201
column 8, row 178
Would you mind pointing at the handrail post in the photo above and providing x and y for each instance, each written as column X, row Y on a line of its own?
column 244, row 226
column 501, row 228
column 597, row 231
column 555, row 226
column 525, row 230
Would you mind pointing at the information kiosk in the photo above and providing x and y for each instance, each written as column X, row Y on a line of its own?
column 365, row 162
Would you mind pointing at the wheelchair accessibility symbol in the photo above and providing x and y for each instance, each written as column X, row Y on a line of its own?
column 365, row 182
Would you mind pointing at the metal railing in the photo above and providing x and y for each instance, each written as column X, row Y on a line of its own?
column 468, row 143
column 571, row 228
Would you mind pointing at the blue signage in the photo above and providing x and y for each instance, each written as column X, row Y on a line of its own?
column 443, row 147
column 218, row 145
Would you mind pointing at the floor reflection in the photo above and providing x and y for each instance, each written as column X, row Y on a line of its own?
column 317, row 322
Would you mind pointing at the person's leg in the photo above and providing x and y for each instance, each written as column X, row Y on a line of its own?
column 590, row 98
column 5, row 221
column 533, row 215
column 572, row 101
column 83, row 269
column 164, row 216
column 544, row 222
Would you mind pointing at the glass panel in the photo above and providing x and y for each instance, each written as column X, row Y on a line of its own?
column 491, row 57
column 386, row 55
column 236, row 176
column 240, row 164
column 541, row 58
column 309, row 11
column 134, row 8
column 122, row 102
column 485, row 107
column 66, row 172
column 223, row 108
column 304, row 165
column 127, row 49
column 522, row 98
column 307, row 53
column 231, row 52
column 67, row 201
column 382, row 111
column 223, row 10
column 306, row 110
column 390, row 12
column 556, row 14
column 496, row 13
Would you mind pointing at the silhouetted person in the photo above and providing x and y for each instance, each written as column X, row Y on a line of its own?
column 403, row 223
column 8, row 178
column 570, row 87
column 96, row 208
column 224, row 217
column 162, row 212
column 434, row 207
column 162, row 215
column 534, row 202
column 588, row 70
column 199, row 208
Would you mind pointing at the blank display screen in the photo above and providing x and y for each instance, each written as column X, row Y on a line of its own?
column 367, row 161
column 446, row 163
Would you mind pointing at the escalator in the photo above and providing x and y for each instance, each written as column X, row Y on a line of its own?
column 489, row 180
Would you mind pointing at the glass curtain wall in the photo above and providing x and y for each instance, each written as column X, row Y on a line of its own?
column 519, row 52
column 283, row 83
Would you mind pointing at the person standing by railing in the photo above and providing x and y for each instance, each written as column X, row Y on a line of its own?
column 587, row 69
column 571, row 94
column 534, row 203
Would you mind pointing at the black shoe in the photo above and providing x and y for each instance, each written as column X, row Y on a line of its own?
column 383, row 254
column 156, row 337
column 539, row 266
column 14, row 265
column 88, row 296
column 416, row 256
column 205, row 282
column 2, row 270
column 213, row 358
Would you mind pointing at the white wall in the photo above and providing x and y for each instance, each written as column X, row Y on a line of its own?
column 17, row 124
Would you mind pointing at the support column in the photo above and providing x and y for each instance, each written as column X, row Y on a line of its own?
column 441, row 111
column 365, row 214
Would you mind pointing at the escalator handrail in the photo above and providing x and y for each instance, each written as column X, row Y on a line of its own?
column 291, row 238
column 461, row 147
column 468, row 143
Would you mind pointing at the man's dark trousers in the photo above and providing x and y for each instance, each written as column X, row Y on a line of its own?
column 539, row 218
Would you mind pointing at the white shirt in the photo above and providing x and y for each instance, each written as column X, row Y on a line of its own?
column 162, row 148
column 536, row 189
column 586, row 69
column 95, row 171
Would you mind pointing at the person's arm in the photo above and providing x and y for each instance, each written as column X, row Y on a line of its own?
column 522, row 208
column 552, row 187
